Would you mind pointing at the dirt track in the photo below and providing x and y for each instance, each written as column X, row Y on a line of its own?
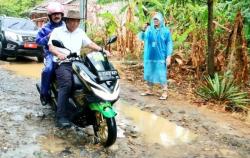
column 27, row 128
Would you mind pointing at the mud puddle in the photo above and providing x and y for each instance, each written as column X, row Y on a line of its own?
column 26, row 67
column 148, row 127
column 155, row 129
column 53, row 144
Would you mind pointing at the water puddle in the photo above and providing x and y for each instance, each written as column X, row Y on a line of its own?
column 63, row 141
column 155, row 129
column 52, row 143
column 28, row 69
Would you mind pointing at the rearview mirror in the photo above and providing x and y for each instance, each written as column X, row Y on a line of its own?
column 112, row 39
column 58, row 43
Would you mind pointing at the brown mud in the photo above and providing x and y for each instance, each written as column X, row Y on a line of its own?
column 147, row 127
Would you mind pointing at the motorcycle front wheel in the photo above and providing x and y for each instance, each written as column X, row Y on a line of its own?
column 105, row 130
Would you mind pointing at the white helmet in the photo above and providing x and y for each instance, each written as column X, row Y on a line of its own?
column 55, row 7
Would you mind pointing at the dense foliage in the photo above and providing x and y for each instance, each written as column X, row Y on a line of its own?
column 188, row 21
column 230, row 7
column 185, row 16
column 17, row 7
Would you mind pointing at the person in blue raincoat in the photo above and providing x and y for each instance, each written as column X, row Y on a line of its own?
column 158, row 47
column 55, row 12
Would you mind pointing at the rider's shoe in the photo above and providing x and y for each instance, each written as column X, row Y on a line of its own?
column 63, row 122
column 43, row 100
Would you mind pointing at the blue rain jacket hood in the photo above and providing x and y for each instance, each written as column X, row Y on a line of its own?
column 158, row 46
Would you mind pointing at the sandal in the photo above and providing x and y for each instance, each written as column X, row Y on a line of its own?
column 163, row 97
column 146, row 93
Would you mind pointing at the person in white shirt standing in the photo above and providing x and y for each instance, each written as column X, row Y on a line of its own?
column 73, row 38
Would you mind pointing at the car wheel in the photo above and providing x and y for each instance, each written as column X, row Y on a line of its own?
column 19, row 58
column 40, row 59
column 2, row 56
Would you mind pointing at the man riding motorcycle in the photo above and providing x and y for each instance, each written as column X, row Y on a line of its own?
column 72, row 38
column 55, row 13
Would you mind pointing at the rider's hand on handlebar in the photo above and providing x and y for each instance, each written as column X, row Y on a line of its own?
column 107, row 52
column 61, row 56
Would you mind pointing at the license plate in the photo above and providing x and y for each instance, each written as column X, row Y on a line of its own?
column 30, row 45
column 108, row 75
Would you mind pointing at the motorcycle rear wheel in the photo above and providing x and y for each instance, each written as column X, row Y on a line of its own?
column 105, row 130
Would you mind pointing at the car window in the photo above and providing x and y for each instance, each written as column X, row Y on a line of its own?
column 19, row 24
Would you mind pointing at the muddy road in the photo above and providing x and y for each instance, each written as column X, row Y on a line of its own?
column 147, row 127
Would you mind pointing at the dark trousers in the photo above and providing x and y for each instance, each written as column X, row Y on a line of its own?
column 64, row 83
column 47, row 72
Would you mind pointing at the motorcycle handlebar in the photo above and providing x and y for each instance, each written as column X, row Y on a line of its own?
column 72, row 55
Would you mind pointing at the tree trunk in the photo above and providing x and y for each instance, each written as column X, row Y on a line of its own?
column 210, row 32
column 237, row 51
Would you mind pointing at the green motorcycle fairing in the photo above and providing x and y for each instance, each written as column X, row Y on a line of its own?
column 104, row 108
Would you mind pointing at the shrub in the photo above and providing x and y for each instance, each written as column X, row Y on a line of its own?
column 224, row 90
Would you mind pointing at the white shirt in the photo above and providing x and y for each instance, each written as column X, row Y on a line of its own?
column 71, row 40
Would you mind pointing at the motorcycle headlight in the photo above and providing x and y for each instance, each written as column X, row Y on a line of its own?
column 13, row 36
